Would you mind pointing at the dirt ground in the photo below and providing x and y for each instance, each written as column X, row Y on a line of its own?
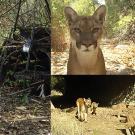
column 17, row 117
column 104, row 123
column 119, row 57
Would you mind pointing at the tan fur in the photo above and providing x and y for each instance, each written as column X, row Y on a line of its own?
column 94, row 107
column 82, row 108
column 85, row 55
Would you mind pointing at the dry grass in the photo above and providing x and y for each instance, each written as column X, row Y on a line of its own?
column 55, row 93
column 66, row 125
column 60, row 124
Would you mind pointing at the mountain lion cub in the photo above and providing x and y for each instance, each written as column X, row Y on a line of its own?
column 94, row 107
column 82, row 108
column 85, row 55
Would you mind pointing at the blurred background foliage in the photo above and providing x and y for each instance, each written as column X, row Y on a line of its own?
column 58, row 83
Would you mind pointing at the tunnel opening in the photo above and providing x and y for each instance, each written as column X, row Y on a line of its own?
column 105, row 90
column 102, row 89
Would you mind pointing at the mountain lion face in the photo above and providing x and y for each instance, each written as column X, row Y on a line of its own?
column 85, row 31
column 88, row 102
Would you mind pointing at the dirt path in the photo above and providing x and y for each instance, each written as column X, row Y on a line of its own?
column 118, row 57
column 104, row 123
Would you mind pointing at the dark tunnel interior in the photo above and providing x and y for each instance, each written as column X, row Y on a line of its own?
column 101, row 89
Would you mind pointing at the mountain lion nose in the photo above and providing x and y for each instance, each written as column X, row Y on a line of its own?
column 86, row 45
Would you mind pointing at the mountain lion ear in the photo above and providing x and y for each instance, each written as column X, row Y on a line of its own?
column 70, row 14
column 84, row 99
column 100, row 14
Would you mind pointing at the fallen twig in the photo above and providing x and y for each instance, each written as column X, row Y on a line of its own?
column 14, row 93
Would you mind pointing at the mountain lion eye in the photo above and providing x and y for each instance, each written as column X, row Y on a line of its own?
column 77, row 30
column 95, row 30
